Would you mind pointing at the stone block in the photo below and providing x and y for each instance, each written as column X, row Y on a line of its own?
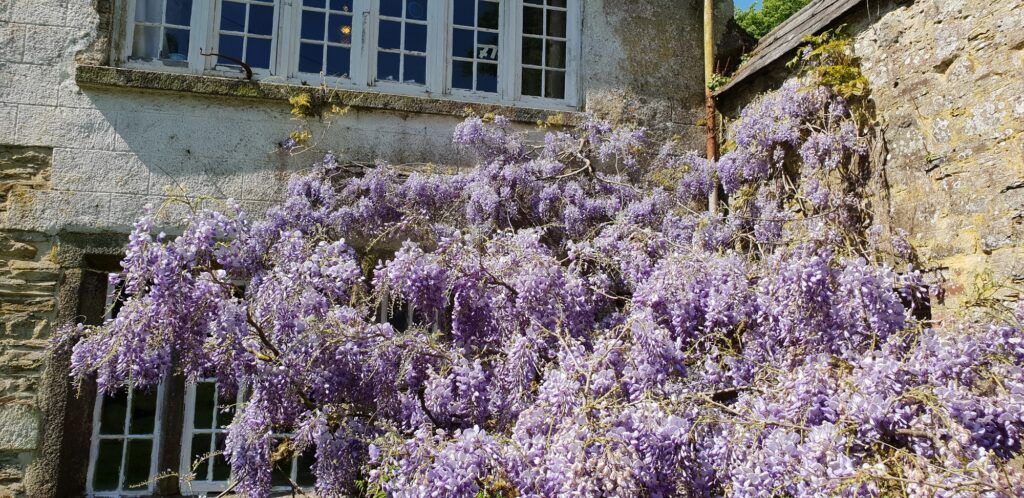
column 51, row 12
column 35, row 271
column 49, row 45
column 50, row 212
column 13, row 249
column 12, row 42
column 126, row 209
column 99, row 171
column 28, row 84
column 8, row 122
column 19, row 428
column 197, row 177
column 64, row 127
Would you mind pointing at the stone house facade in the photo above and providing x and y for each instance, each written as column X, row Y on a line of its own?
column 109, row 105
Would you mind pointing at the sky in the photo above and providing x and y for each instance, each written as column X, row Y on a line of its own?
column 744, row 4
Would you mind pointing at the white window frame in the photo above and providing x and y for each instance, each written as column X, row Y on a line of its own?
column 123, row 488
column 156, row 436
column 207, row 487
column 284, row 57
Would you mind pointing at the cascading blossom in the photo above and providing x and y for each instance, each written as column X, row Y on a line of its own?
column 566, row 321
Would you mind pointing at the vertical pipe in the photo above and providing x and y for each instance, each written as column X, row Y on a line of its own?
column 709, row 98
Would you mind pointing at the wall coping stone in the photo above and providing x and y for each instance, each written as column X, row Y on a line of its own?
column 115, row 77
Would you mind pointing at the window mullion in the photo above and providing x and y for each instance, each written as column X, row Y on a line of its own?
column 287, row 40
column 573, row 51
column 124, row 441
column 358, row 64
column 185, row 457
column 129, row 32
column 508, row 63
column 213, row 31
column 438, row 31
column 201, row 23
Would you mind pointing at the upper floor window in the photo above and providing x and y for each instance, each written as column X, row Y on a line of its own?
column 515, row 52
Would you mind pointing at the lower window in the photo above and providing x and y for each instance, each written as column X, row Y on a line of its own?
column 125, row 443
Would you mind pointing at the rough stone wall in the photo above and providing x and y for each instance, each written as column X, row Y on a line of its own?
column 947, row 77
column 947, row 87
column 29, row 277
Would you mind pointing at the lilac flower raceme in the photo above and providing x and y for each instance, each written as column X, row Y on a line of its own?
column 560, row 322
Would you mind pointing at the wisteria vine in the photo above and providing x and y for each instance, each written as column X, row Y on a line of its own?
column 564, row 320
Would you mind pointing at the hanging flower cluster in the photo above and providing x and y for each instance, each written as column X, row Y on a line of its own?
column 562, row 324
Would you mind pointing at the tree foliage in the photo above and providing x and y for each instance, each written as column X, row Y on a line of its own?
column 759, row 22
column 580, row 327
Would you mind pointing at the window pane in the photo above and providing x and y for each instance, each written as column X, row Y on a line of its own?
column 149, row 10
column 146, row 42
column 487, row 46
column 338, row 61
column 556, row 3
column 226, row 409
column 204, row 406
column 319, row 4
column 143, row 412
column 390, row 35
column 257, row 53
column 387, row 66
column 304, row 472
column 533, row 51
column 416, row 9
column 463, row 12
column 556, row 23
column 281, row 474
column 554, row 84
column 179, row 12
column 415, row 69
column 232, row 16
column 487, row 77
column 311, row 58
column 462, row 75
column 342, row 5
column 487, row 15
column 340, row 29
column 137, row 463
column 230, row 46
column 533, row 21
column 392, row 8
column 462, row 43
column 555, row 55
column 531, row 82
column 261, row 19
column 200, row 453
column 221, row 467
column 113, row 413
column 175, row 44
column 107, row 471
column 535, row 2
column 416, row 37
column 313, row 25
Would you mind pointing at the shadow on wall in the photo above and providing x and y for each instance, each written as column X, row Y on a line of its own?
column 116, row 150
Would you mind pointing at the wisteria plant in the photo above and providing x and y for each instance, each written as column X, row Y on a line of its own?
column 565, row 320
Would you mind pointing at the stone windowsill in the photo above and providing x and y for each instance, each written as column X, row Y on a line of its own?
column 105, row 76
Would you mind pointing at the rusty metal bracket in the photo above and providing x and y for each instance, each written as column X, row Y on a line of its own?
column 245, row 67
